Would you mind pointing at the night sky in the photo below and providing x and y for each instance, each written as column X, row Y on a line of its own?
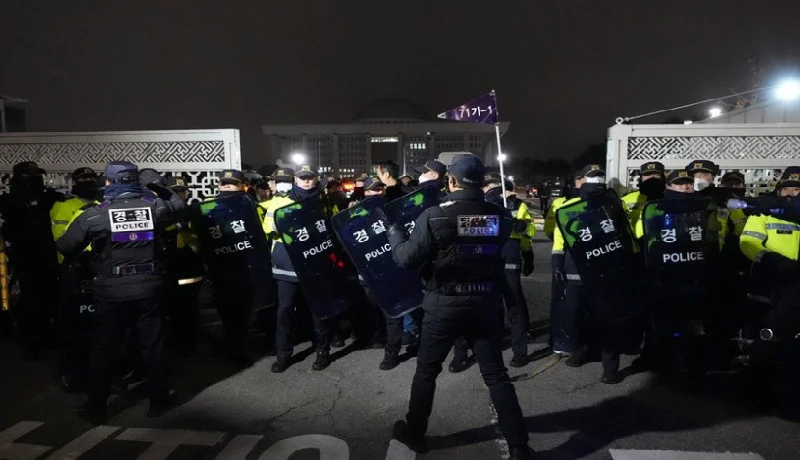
column 563, row 69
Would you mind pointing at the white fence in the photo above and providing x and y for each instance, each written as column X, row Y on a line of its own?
column 197, row 154
column 759, row 151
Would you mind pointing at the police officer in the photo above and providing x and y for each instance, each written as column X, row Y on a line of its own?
column 305, row 186
column 31, row 249
column 518, row 257
column 457, row 247
column 773, row 243
column 84, row 191
column 584, row 334
column 652, row 184
column 185, row 267
column 131, row 275
column 75, row 312
column 562, row 326
column 235, row 290
column 678, row 314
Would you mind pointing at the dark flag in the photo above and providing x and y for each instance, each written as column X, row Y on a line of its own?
column 479, row 110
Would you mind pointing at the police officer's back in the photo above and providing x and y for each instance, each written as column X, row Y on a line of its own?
column 456, row 245
column 131, row 274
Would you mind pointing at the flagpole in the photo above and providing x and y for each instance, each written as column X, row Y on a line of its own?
column 500, row 160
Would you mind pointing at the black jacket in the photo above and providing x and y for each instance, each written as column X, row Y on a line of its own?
column 454, row 267
column 94, row 227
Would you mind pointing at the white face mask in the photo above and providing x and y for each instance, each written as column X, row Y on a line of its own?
column 700, row 184
column 283, row 187
column 427, row 177
column 596, row 180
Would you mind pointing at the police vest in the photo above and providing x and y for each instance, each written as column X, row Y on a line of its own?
column 130, row 246
column 468, row 260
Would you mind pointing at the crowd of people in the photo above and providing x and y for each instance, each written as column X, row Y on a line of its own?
column 115, row 268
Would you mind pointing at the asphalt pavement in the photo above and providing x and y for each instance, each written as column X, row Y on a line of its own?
column 347, row 411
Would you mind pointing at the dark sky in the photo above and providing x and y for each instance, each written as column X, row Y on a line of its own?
column 563, row 69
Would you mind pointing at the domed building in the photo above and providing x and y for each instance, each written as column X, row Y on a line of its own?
column 385, row 129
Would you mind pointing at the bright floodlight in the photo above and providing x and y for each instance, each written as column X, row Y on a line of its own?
column 788, row 91
column 501, row 157
column 715, row 112
column 298, row 158
column 511, row 178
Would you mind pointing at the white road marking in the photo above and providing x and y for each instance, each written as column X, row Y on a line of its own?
column 83, row 443
column 399, row 451
column 239, row 447
column 164, row 442
column 502, row 445
column 618, row 454
column 330, row 448
column 9, row 450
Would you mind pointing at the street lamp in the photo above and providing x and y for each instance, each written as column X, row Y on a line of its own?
column 714, row 112
column 511, row 178
column 298, row 158
column 788, row 90
column 502, row 157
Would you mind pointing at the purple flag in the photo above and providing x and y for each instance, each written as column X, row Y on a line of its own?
column 479, row 110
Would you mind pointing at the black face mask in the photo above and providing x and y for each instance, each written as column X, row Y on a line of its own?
column 85, row 189
column 27, row 187
column 676, row 195
column 653, row 188
column 587, row 190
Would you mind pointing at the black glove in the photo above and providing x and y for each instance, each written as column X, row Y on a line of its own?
column 165, row 193
column 519, row 226
column 527, row 263
column 557, row 262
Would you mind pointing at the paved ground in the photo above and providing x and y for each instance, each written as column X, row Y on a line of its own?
column 346, row 412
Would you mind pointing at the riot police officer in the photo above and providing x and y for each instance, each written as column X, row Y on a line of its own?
column 75, row 306
column 185, row 267
column 236, row 263
column 31, row 248
column 563, row 327
column 584, row 334
column 457, row 247
column 129, row 260
column 305, row 186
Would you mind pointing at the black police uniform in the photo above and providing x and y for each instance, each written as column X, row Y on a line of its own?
column 513, row 296
column 32, row 253
column 131, row 275
column 462, row 275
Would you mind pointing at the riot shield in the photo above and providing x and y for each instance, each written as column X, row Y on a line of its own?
column 232, row 241
column 362, row 231
column 320, row 267
column 404, row 211
column 599, row 240
column 682, row 246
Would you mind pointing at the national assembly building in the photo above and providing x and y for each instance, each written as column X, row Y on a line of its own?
column 387, row 129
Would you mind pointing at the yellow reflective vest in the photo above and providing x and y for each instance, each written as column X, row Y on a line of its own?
column 550, row 218
column 763, row 234
column 63, row 213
